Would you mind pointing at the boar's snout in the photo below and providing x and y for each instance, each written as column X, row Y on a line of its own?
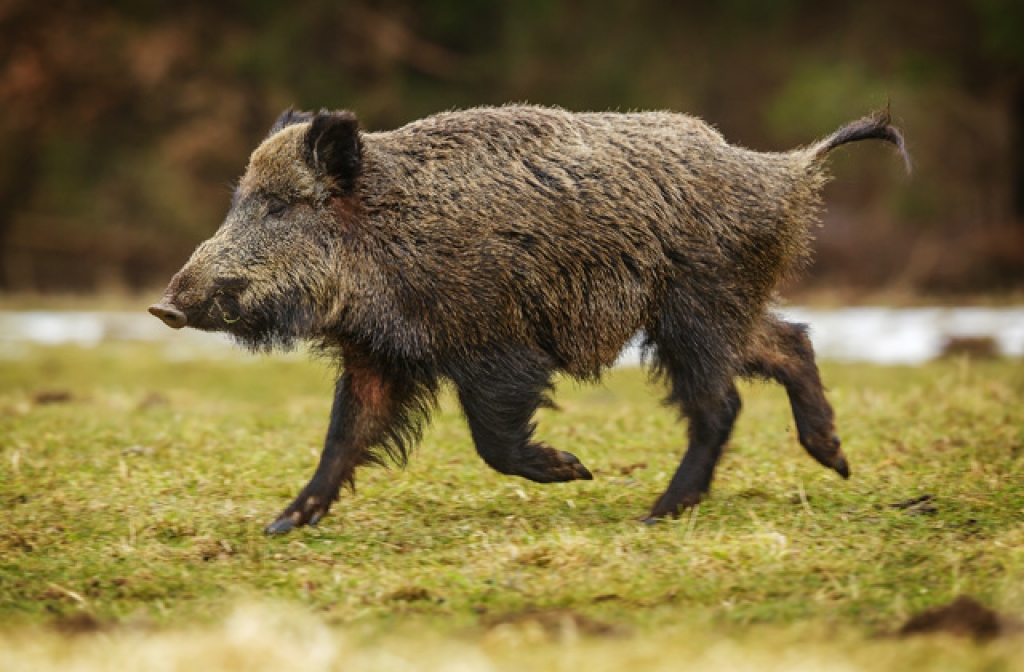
column 171, row 316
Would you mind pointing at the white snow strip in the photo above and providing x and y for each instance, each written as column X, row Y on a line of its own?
column 879, row 335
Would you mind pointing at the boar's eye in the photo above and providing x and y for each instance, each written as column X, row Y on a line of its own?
column 276, row 207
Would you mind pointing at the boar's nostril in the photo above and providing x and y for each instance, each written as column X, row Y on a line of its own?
column 171, row 316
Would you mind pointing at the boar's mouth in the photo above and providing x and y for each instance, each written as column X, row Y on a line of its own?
column 216, row 313
column 269, row 320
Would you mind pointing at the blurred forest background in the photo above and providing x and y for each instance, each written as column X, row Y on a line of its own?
column 123, row 123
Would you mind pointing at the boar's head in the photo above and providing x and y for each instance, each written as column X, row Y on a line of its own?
column 270, row 274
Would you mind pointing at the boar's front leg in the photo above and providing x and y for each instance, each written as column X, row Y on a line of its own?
column 372, row 412
column 499, row 398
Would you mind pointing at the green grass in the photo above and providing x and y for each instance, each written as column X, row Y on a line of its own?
column 142, row 499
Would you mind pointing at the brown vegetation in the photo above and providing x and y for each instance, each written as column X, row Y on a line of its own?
column 121, row 124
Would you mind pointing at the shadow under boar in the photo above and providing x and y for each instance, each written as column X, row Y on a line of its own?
column 494, row 247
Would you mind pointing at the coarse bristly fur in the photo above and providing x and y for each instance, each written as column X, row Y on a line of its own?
column 494, row 247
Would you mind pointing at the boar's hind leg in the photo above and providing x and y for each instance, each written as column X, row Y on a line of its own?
column 371, row 413
column 710, row 423
column 499, row 401
column 783, row 352
column 692, row 355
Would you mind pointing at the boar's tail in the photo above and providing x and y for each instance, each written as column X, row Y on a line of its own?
column 876, row 126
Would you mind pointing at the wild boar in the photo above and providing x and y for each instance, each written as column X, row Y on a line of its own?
column 496, row 247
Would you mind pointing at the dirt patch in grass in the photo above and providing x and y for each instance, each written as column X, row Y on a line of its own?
column 78, row 623
column 43, row 397
column 964, row 617
column 410, row 594
column 556, row 624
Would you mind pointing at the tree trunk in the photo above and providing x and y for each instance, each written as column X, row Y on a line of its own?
column 17, row 181
column 1017, row 151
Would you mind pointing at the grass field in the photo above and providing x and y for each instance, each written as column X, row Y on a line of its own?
column 134, row 491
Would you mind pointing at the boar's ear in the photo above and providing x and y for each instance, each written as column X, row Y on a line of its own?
column 333, row 147
column 290, row 117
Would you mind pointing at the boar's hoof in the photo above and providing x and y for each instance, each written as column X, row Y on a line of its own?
column 558, row 466
column 841, row 466
column 838, row 461
column 305, row 510
column 671, row 506
column 544, row 464
column 827, row 450
column 580, row 472
column 282, row 525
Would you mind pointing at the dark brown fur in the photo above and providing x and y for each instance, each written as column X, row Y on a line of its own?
column 496, row 246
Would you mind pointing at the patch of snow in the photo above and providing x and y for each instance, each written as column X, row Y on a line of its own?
column 871, row 334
